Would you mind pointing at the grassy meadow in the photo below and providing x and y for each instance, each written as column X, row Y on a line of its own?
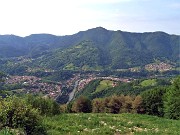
column 104, row 84
column 149, row 82
column 110, row 124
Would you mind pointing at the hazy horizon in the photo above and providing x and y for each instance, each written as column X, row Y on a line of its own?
column 84, row 30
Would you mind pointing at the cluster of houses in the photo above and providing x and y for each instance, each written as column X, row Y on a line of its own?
column 70, row 83
column 158, row 67
column 33, row 84
column 82, row 83
column 21, row 79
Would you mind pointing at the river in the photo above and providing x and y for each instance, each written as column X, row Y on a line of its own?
column 71, row 95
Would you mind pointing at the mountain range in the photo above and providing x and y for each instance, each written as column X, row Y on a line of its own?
column 93, row 49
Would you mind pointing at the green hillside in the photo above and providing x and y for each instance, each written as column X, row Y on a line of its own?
column 149, row 82
column 104, row 84
column 118, row 124
column 104, row 88
column 117, row 50
column 82, row 56
column 94, row 49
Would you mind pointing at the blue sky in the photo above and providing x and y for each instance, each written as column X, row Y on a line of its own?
column 64, row 17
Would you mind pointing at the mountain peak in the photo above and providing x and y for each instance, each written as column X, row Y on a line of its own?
column 99, row 29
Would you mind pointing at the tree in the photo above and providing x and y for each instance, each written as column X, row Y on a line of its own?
column 153, row 101
column 46, row 106
column 137, row 105
column 172, row 100
column 98, row 105
column 63, row 108
column 2, row 76
column 106, row 104
column 69, row 107
column 115, row 104
column 127, row 104
column 82, row 104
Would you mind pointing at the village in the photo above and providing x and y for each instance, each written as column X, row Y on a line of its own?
column 32, row 84
column 82, row 83
column 159, row 67
column 35, row 85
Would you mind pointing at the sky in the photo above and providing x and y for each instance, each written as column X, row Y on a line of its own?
column 66, row 17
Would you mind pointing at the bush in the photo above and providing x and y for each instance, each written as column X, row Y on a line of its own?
column 16, row 113
column 46, row 106
column 137, row 105
column 82, row 104
column 115, row 104
column 98, row 105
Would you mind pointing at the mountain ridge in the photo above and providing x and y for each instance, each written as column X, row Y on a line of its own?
column 111, row 49
column 85, row 31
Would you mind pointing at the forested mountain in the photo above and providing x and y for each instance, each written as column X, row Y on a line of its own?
column 93, row 49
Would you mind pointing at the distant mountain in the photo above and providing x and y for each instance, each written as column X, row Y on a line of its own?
column 93, row 49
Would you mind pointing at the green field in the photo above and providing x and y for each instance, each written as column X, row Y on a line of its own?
column 149, row 82
column 110, row 124
column 104, row 84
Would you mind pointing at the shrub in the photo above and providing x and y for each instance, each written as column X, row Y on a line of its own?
column 16, row 113
column 82, row 104
column 63, row 108
column 137, row 105
column 115, row 104
column 98, row 105
column 46, row 106
column 69, row 107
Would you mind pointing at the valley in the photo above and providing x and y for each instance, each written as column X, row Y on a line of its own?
column 53, row 89
column 96, row 81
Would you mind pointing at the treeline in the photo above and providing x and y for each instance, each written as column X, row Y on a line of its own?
column 163, row 101
column 114, row 104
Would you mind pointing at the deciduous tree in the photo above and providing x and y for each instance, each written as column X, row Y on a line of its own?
column 82, row 104
column 172, row 100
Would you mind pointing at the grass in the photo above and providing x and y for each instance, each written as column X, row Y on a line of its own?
column 104, row 84
column 110, row 124
column 149, row 82
column 177, row 68
column 10, row 131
